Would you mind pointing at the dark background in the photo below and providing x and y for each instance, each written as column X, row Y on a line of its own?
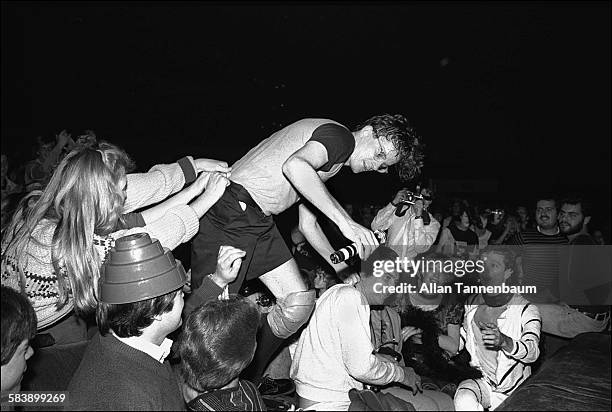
column 517, row 92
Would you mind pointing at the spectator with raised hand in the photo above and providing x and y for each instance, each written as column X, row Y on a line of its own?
column 229, row 261
column 7, row 185
column 48, row 152
column 54, row 253
column 216, row 345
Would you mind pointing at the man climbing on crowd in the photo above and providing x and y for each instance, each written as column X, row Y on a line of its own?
column 294, row 163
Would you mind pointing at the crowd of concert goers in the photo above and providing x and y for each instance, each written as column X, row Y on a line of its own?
column 439, row 386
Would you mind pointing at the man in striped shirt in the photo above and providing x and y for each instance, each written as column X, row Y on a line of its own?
column 540, row 253
column 502, row 334
column 544, row 250
column 585, row 279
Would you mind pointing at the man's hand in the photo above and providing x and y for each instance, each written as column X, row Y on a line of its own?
column 409, row 331
column 229, row 261
column 215, row 186
column 364, row 239
column 401, row 195
column 211, row 165
column 200, row 184
column 70, row 144
column 493, row 338
column 412, row 380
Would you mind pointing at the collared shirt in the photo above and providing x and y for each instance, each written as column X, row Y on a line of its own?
column 159, row 353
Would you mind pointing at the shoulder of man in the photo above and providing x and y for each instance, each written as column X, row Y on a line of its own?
column 347, row 295
column 583, row 239
column 338, row 141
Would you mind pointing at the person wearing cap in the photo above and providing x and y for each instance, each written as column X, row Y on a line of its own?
column 54, row 252
column 293, row 163
column 141, row 300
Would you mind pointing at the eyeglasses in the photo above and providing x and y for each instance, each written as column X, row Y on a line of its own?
column 381, row 154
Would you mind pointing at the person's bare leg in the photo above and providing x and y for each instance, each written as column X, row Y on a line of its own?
column 284, row 279
column 294, row 304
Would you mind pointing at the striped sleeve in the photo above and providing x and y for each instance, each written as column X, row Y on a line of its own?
column 526, row 349
column 464, row 326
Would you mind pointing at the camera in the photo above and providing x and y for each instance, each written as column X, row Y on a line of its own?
column 489, row 212
column 410, row 198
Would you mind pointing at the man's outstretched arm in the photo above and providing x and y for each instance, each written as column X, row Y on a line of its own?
column 301, row 170
column 313, row 233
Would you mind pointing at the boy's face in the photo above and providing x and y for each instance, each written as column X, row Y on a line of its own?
column 13, row 371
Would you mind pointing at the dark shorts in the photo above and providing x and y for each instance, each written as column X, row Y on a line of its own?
column 249, row 230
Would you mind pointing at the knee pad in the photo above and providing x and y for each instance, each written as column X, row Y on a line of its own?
column 290, row 313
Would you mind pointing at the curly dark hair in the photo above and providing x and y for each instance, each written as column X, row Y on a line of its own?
column 404, row 139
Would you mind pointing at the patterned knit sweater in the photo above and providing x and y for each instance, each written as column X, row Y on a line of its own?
column 178, row 225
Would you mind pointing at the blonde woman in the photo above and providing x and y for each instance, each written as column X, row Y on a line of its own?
column 54, row 252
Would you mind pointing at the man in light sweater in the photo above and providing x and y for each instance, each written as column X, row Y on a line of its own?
column 335, row 352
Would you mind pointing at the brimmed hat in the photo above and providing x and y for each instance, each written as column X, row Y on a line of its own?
column 139, row 268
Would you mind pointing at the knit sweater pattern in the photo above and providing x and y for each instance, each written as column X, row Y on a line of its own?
column 178, row 225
